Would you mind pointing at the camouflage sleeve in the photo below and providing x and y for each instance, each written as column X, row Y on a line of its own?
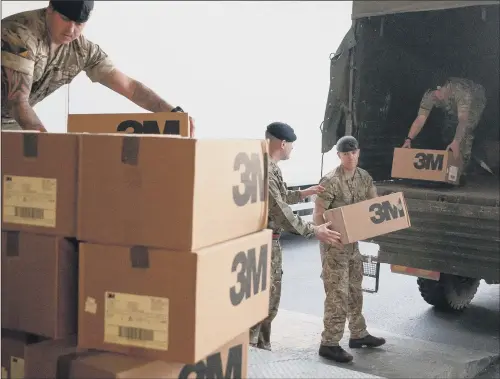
column 292, row 197
column 326, row 198
column 371, row 190
column 426, row 104
column 98, row 64
column 19, row 47
column 282, row 214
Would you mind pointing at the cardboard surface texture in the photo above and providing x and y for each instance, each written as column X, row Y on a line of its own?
column 229, row 361
column 25, row 357
column 174, row 123
column 170, row 305
column 167, row 192
column 431, row 165
column 39, row 284
column 369, row 218
column 39, row 174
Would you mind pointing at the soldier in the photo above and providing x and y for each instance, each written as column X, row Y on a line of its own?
column 342, row 267
column 464, row 102
column 281, row 217
column 44, row 49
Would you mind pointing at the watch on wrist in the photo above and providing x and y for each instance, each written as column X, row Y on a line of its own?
column 177, row 109
column 408, row 138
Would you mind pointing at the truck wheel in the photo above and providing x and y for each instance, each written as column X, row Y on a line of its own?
column 450, row 293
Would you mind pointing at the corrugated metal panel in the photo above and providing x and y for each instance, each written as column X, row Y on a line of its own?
column 378, row 8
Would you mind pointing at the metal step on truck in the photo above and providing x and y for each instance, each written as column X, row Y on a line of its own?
column 394, row 52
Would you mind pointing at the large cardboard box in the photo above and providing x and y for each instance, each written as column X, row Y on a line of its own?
column 39, row 174
column 229, row 361
column 431, row 165
column 170, row 305
column 369, row 218
column 39, row 284
column 168, row 192
column 140, row 123
column 27, row 357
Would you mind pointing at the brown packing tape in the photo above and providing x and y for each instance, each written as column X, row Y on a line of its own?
column 130, row 150
column 63, row 367
column 30, row 145
column 139, row 257
column 12, row 244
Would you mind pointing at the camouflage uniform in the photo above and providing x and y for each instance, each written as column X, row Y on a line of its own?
column 464, row 95
column 281, row 217
column 342, row 270
column 26, row 49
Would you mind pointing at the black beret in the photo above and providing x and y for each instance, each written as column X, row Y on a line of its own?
column 77, row 11
column 282, row 131
column 346, row 144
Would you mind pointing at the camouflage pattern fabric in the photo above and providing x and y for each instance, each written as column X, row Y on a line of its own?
column 342, row 269
column 26, row 49
column 281, row 217
column 464, row 96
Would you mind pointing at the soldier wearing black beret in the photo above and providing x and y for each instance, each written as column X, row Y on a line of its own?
column 281, row 217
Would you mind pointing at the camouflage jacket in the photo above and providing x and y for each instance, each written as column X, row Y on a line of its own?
column 340, row 191
column 281, row 216
column 464, row 96
column 26, row 49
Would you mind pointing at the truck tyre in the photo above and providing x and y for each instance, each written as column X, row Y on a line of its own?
column 450, row 293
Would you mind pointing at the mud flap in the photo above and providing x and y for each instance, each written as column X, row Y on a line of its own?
column 371, row 273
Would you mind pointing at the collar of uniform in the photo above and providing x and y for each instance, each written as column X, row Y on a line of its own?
column 343, row 175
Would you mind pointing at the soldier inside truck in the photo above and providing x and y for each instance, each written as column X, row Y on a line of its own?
column 385, row 64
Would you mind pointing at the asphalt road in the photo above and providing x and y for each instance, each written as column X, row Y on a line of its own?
column 397, row 307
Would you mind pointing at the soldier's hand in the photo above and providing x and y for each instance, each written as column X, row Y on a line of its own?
column 313, row 190
column 454, row 146
column 191, row 127
column 407, row 144
column 326, row 235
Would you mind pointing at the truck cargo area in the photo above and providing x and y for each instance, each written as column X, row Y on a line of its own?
column 397, row 58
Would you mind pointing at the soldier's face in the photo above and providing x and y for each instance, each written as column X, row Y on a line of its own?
column 62, row 29
column 287, row 149
column 349, row 160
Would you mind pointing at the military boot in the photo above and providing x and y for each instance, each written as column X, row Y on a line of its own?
column 368, row 341
column 335, row 353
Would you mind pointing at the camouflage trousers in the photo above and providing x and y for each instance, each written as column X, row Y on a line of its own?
column 342, row 274
column 260, row 334
column 450, row 127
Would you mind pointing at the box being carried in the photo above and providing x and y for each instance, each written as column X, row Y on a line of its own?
column 432, row 165
column 369, row 218
column 174, row 123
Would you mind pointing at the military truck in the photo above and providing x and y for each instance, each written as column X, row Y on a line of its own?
column 393, row 53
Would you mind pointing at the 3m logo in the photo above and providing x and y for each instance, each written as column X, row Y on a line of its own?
column 251, row 276
column 251, row 178
column 212, row 368
column 149, row 127
column 385, row 211
column 428, row 161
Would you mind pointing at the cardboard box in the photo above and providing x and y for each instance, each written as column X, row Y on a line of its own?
column 167, row 192
column 432, row 165
column 229, row 361
column 25, row 356
column 369, row 218
column 39, row 284
column 39, row 173
column 170, row 305
column 175, row 123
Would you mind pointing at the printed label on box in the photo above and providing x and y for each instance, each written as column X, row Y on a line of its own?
column 16, row 368
column 134, row 320
column 4, row 373
column 453, row 173
column 29, row 200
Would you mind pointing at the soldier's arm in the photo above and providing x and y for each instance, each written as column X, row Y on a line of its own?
column 371, row 193
column 323, row 201
column 18, row 62
column 426, row 105
column 100, row 69
column 283, row 215
column 463, row 107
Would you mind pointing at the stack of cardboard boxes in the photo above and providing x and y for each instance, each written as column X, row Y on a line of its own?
column 132, row 256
